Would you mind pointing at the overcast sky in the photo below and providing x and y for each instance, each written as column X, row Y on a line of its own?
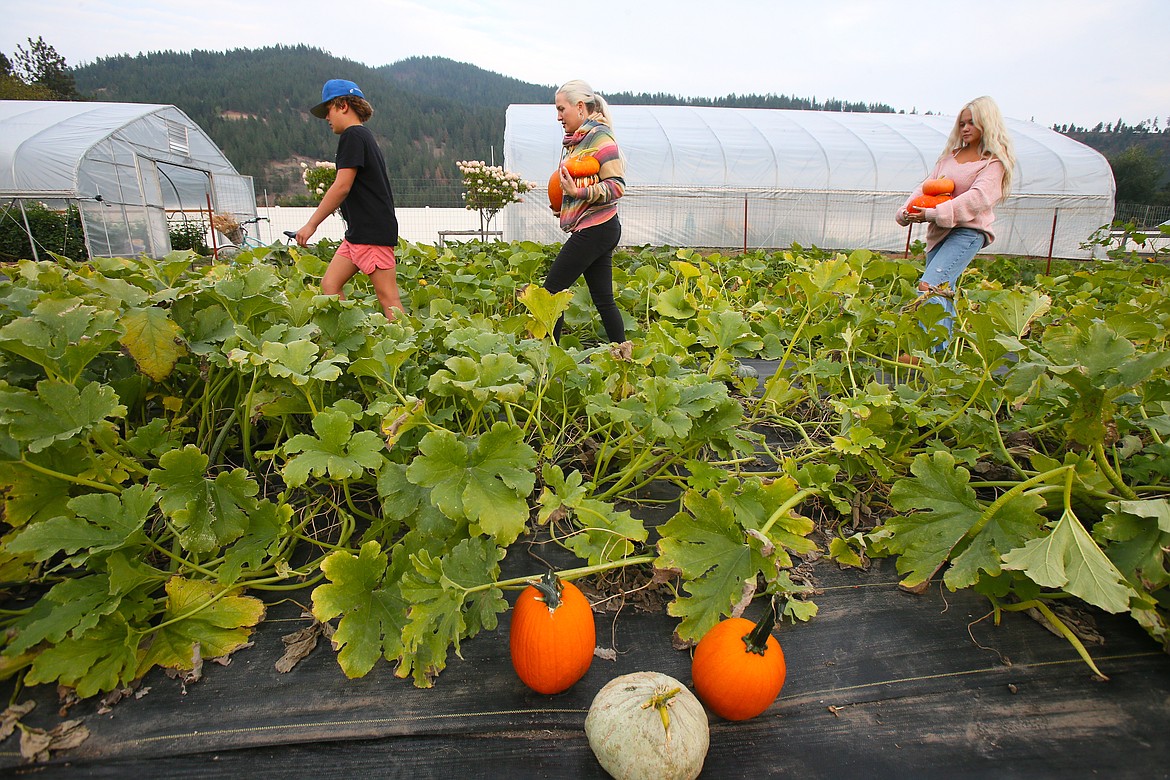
column 1051, row 61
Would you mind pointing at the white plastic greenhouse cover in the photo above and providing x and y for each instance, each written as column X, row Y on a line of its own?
column 124, row 164
column 734, row 177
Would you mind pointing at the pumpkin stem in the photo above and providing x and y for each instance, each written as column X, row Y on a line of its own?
column 550, row 588
column 756, row 640
column 660, row 701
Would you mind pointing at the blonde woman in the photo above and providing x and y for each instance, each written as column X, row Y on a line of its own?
column 979, row 158
column 589, row 206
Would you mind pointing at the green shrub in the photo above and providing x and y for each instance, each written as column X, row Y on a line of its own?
column 189, row 234
column 54, row 231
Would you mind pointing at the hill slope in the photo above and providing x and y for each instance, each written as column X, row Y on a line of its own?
column 429, row 111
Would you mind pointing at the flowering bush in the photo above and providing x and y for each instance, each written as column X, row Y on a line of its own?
column 319, row 178
column 490, row 188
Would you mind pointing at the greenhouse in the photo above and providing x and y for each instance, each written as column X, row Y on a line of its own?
column 758, row 178
column 127, row 167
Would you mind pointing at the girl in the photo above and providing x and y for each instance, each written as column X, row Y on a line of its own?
column 978, row 157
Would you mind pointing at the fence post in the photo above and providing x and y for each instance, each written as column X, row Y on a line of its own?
column 1051, row 243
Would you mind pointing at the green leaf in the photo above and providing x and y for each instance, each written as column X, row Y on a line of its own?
column 729, row 330
column 944, row 509
column 154, row 341
column 442, row 610
column 207, row 513
column 372, row 613
column 544, row 308
column 1069, row 559
column 1014, row 311
column 494, row 375
column 335, row 451
column 267, row 525
column 62, row 335
column 199, row 615
column 58, row 411
column 676, row 303
column 101, row 522
column 297, row 361
column 706, row 545
column 101, row 660
column 1093, row 351
column 71, row 607
column 485, row 480
column 30, row 495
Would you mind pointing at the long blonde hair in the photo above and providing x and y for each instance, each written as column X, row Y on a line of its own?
column 578, row 90
column 995, row 141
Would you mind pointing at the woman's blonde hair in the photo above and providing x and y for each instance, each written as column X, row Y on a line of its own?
column 578, row 90
column 995, row 141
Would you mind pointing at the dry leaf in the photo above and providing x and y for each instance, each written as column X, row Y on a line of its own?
column 605, row 653
column 36, row 744
column 745, row 597
column 10, row 716
column 299, row 644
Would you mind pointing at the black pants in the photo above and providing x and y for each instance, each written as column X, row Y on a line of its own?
column 589, row 253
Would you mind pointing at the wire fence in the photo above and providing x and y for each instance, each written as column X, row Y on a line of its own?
column 1142, row 216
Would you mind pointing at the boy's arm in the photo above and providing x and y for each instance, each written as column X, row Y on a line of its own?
column 334, row 196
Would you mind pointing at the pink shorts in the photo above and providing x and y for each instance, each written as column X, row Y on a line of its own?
column 368, row 257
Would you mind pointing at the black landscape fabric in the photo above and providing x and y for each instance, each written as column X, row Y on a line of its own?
column 881, row 683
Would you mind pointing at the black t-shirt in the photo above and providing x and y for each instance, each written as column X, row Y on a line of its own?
column 368, row 209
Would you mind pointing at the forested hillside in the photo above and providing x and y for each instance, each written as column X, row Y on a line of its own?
column 429, row 111
column 255, row 105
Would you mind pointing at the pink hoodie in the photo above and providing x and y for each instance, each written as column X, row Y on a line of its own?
column 978, row 187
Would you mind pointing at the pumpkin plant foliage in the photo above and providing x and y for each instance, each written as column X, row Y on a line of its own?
column 180, row 439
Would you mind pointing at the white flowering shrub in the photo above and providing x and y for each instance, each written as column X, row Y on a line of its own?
column 488, row 188
column 318, row 178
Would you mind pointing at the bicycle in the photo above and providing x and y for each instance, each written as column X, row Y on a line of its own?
column 237, row 235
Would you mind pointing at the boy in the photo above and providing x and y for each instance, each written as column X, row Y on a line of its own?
column 362, row 191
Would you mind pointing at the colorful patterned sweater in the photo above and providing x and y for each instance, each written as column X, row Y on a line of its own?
column 602, row 190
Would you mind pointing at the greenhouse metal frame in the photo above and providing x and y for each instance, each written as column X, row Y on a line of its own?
column 127, row 167
column 768, row 178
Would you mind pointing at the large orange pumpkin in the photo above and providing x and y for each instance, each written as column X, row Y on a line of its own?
column 943, row 186
column 553, row 635
column 738, row 668
column 555, row 196
column 926, row 202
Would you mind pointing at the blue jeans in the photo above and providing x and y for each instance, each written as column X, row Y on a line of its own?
column 947, row 261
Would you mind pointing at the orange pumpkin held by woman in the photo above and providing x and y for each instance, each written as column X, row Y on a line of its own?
column 943, row 186
column 580, row 167
column 738, row 668
column 926, row 202
column 553, row 635
column 555, row 196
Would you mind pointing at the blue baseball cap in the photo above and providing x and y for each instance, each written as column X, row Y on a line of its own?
column 334, row 88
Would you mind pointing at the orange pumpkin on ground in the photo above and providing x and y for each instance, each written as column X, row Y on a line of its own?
column 943, row 186
column 552, row 636
column 738, row 668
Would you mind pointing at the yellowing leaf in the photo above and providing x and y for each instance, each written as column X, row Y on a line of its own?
column 154, row 341
column 200, row 622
